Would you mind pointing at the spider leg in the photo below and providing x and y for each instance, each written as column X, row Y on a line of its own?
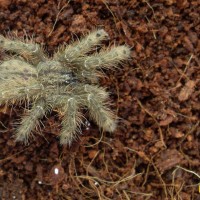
column 29, row 50
column 92, row 75
column 105, row 59
column 31, row 120
column 79, row 49
column 90, row 66
column 71, row 122
column 17, row 81
column 96, row 100
column 72, row 119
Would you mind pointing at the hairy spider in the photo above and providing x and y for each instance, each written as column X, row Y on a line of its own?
column 65, row 82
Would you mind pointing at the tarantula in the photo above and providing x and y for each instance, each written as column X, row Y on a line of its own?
column 64, row 82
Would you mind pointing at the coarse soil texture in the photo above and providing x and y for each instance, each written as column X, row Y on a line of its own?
column 155, row 152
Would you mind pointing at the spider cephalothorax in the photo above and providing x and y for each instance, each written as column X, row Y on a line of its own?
column 65, row 82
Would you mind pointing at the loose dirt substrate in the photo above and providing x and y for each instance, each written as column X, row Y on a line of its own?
column 154, row 153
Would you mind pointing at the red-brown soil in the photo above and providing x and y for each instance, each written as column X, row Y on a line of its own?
column 155, row 152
